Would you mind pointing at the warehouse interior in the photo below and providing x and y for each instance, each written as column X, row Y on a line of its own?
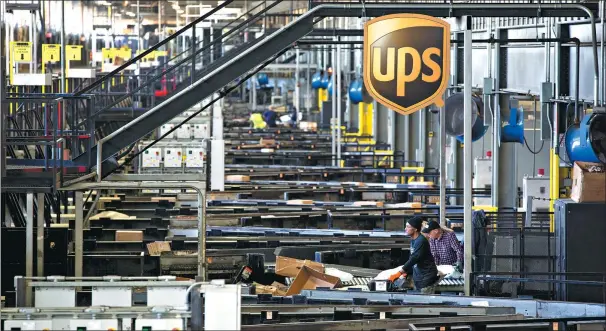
column 310, row 165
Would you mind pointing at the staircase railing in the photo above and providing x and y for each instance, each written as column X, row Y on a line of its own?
column 183, row 67
column 149, row 51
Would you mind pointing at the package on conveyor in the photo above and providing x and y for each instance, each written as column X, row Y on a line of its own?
column 308, row 275
column 237, row 178
column 267, row 142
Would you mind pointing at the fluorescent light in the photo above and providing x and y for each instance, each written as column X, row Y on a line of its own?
column 117, row 14
column 130, row 13
column 180, row 11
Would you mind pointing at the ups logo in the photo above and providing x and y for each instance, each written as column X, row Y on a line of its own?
column 407, row 60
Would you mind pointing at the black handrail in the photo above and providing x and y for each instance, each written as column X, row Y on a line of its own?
column 153, row 48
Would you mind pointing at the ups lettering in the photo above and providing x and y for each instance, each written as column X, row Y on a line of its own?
column 408, row 66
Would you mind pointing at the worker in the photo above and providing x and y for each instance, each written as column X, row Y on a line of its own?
column 257, row 121
column 420, row 263
column 445, row 247
column 270, row 118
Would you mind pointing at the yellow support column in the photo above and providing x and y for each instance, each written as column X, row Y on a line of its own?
column 554, row 184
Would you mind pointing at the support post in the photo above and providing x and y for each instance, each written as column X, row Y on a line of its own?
column 337, row 86
column 40, row 236
column 29, row 235
column 201, row 236
column 308, row 84
column 333, row 117
column 63, row 78
column 78, row 233
column 496, row 122
column 443, row 139
column 297, row 82
column 468, row 155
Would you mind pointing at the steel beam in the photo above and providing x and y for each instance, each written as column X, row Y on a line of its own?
column 467, row 155
column 29, row 235
column 78, row 233
column 40, row 235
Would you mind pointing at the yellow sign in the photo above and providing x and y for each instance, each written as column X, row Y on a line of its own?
column 407, row 61
column 124, row 53
column 108, row 53
column 51, row 53
column 73, row 52
column 22, row 51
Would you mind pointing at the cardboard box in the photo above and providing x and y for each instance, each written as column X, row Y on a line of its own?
column 310, row 279
column 267, row 142
column 289, row 267
column 237, row 178
column 300, row 202
column 157, row 247
column 308, row 126
column 378, row 204
column 276, row 289
column 122, row 235
column 588, row 186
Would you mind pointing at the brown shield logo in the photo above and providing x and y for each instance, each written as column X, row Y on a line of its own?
column 407, row 61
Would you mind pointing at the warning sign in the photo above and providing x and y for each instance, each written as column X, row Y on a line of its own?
column 51, row 53
column 22, row 51
column 73, row 52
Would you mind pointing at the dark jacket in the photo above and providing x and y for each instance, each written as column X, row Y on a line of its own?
column 420, row 264
column 270, row 117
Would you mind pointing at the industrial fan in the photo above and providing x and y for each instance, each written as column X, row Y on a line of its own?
column 455, row 116
column 586, row 142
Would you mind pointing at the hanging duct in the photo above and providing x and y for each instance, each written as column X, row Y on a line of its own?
column 262, row 79
column 358, row 92
column 587, row 141
column 513, row 132
column 455, row 116
column 316, row 80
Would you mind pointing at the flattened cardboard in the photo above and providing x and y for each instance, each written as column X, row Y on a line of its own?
column 122, row 235
column 289, row 267
column 309, row 279
column 157, row 247
column 588, row 186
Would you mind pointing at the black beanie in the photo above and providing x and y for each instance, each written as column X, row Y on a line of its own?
column 416, row 222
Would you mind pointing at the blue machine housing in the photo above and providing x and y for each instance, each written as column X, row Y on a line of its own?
column 262, row 79
column 454, row 104
column 316, row 80
column 324, row 81
column 513, row 132
column 355, row 92
column 578, row 142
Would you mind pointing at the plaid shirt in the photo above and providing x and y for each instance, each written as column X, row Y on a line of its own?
column 446, row 250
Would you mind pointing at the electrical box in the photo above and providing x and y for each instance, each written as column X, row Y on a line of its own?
column 194, row 158
column 173, row 157
column 538, row 188
column 150, row 324
column 482, row 178
column 183, row 132
column 165, row 128
column 151, row 158
column 200, row 131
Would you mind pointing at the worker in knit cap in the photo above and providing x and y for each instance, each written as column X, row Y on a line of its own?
column 420, row 263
